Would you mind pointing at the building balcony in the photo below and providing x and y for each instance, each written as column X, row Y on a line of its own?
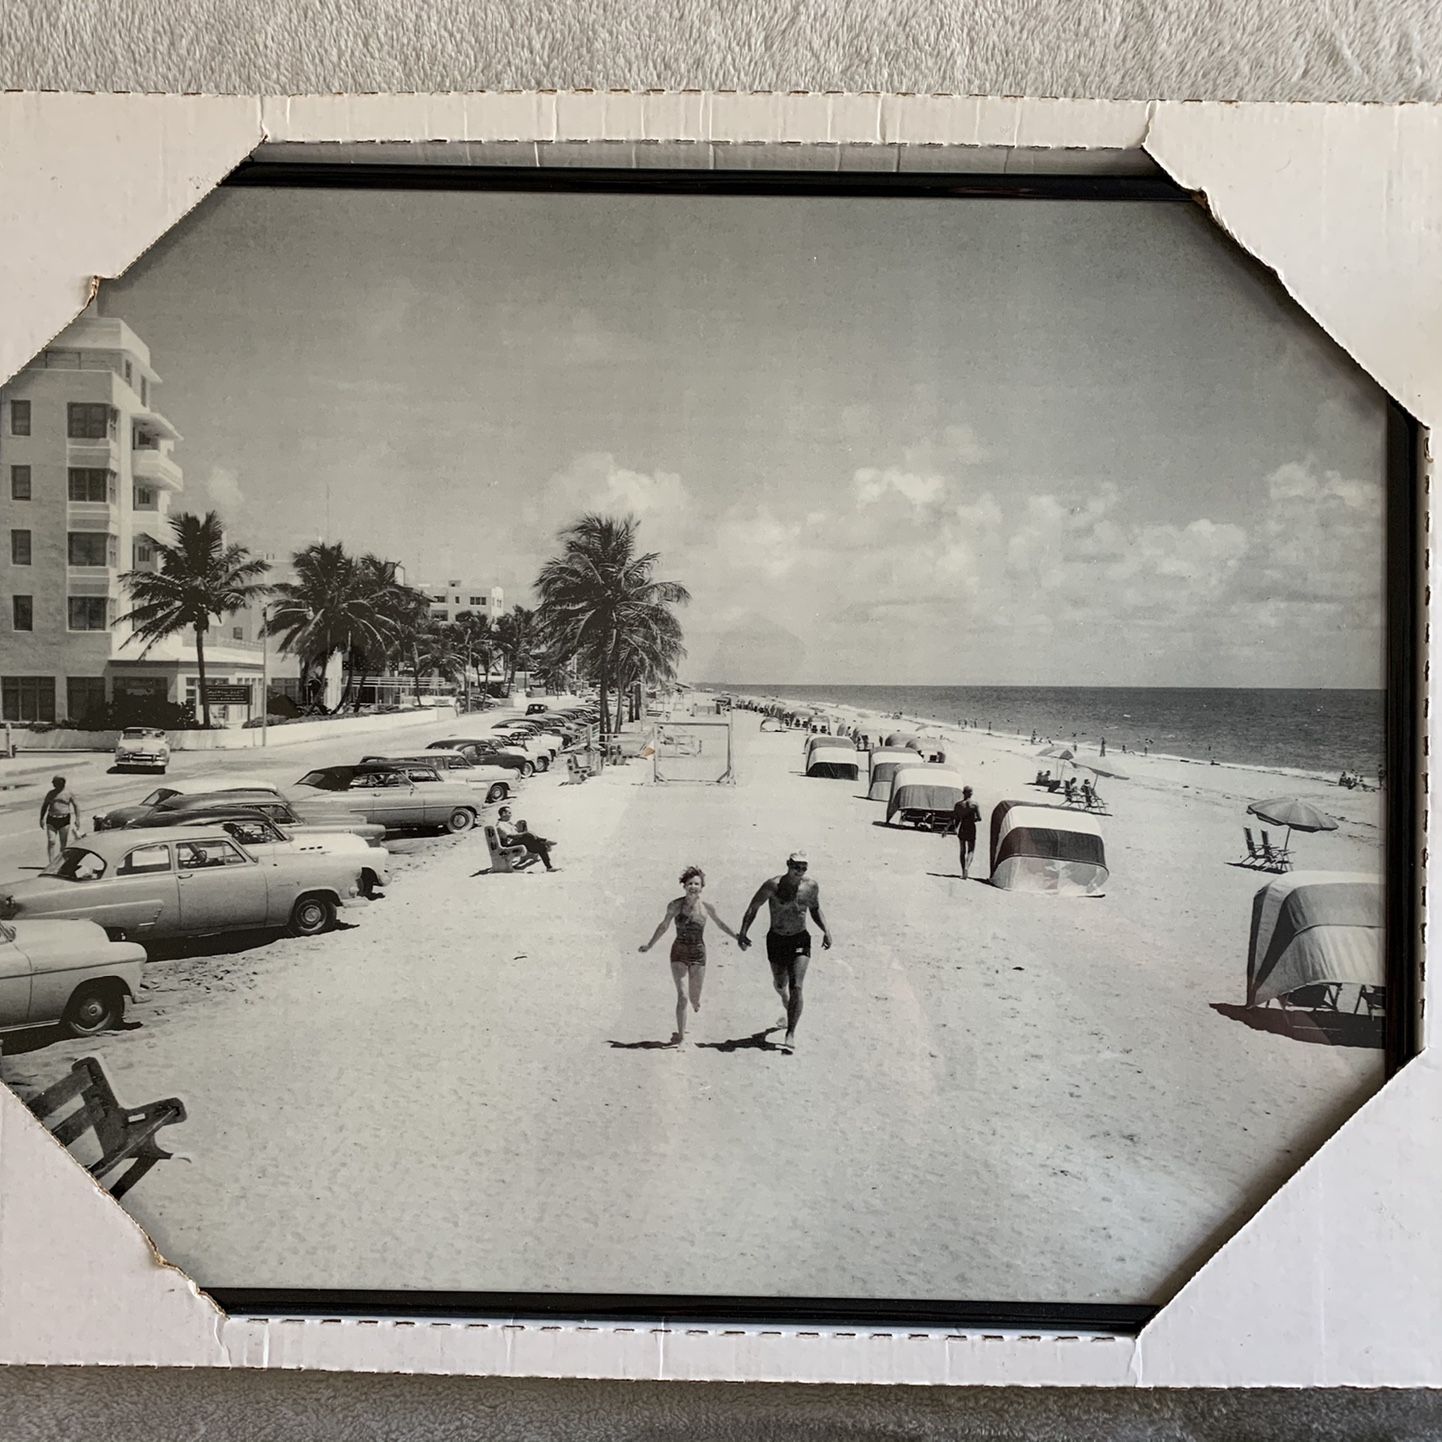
column 100, row 454
column 156, row 424
column 89, row 515
column 151, row 465
column 221, row 653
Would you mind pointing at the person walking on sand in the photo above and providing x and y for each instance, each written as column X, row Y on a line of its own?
column 59, row 817
column 688, row 951
column 965, row 816
column 792, row 897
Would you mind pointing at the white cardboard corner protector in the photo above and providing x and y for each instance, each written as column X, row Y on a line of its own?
column 1336, row 1281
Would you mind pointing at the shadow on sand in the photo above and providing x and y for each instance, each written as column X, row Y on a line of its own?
column 641, row 1045
column 1324, row 1028
column 757, row 1041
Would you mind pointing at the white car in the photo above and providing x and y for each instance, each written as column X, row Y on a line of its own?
column 265, row 840
column 68, row 972
column 142, row 746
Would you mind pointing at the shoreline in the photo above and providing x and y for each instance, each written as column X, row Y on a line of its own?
column 952, row 732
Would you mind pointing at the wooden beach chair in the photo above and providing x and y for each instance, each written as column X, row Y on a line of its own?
column 507, row 858
column 1254, row 856
column 125, row 1134
column 575, row 770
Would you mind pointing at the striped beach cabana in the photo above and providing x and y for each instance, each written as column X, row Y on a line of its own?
column 1315, row 929
column 1046, row 848
column 924, row 795
column 833, row 756
column 904, row 738
column 884, row 765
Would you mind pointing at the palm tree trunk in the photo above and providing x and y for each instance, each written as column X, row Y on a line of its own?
column 200, row 667
column 359, row 693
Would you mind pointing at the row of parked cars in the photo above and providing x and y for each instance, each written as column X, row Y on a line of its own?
column 198, row 857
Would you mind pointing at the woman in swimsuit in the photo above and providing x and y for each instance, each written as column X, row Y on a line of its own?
column 688, row 951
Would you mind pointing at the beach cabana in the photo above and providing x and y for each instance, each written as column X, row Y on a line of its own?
column 1046, row 848
column 833, row 756
column 924, row 796
column 904, row 739
column 1316, row 929
column 884, row 765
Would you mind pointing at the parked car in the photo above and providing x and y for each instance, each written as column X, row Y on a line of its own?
column 145, row 746
column 398, row 796
column 68, row 972
column 499, row 783
column 181, row 786
column 303, row 819
column 163, row 882
column 489, row 749
column 259, row 835
column 530, row 740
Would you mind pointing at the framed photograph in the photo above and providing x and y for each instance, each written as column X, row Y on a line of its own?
column 779, row 748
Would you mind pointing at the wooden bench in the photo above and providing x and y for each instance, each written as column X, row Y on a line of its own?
column 126, row 1134
column 577, row 770
column 507, row 858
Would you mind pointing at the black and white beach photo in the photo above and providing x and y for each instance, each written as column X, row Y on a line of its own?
column 695, row 745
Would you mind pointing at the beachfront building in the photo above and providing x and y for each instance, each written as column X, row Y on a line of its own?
column 87, row 482
column 456, row 597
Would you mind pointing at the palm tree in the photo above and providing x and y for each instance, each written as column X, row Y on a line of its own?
column 429, row 648
column 199, row 577
column 516, row 637
column 343, row 605
column 476, row 641
column 602, row 603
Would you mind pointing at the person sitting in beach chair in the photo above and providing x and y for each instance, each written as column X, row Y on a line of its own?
column 1088, row 794
column 1043, row 778
column 516, row 833
column 1069, row 790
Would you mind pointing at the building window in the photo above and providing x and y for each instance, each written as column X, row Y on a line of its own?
column 19, row 548
column 144, row 396
column 89, row 421
column 90, row 485
column 478, row 600
column 143, row 551
column 237, row 633
column 19, row 418
column 19, row 483
column 128, row 380
column 88, row 613
column 84, row 695
column 22, row 610
column 88, row 548
column 144, row 498
column 27, row 698
column 441, row 615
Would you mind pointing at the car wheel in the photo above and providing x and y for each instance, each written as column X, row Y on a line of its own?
column 498, row 792
column 312, row 915
column 543, row 763
column 94, row 1008
column 527, row 769
column 461, row 819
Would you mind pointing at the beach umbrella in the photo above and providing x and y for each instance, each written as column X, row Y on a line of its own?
column 1105, row 771
column 1060, row 753
column 1293, row 813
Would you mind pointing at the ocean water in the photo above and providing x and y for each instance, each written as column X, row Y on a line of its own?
column 1314, row 731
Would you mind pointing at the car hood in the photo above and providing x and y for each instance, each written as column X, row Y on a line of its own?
column 119, row 816
column 58, row 933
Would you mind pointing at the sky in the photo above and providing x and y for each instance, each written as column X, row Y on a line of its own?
column 902, row 442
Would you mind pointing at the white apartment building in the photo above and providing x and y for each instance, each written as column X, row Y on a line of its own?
column 449, row 600
column 87, row 481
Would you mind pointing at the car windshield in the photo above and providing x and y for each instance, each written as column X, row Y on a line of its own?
column 326, row 780
column 161, row 793
column 75, row 863
column 139, row 733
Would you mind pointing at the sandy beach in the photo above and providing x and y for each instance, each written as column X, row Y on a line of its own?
column 994, row 1096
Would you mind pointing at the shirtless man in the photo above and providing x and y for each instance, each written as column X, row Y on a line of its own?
column 788, row 943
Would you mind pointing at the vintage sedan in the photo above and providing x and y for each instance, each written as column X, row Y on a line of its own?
column 68, row 972
column 181, row 786
column 142, row 746
column 491, row 749
column 301, row 818
column 400, row 796
column 153, row 884
column 265, row 839
column 499, row 783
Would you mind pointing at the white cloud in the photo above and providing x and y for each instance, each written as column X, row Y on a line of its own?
column 222, row 488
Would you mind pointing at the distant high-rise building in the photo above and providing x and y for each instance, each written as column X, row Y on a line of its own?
column 450, row 599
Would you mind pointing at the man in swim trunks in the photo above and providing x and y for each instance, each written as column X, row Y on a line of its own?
column 965, row 816
column 791, row 897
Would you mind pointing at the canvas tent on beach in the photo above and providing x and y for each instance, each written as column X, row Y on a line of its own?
column 924, row 795
column 884, row 765
column 1315, row 928
column 1046, row 848
column 835, row 757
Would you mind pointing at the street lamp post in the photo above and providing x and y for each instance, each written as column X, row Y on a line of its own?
column 264, row 675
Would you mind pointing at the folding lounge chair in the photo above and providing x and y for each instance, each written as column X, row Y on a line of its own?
column 1278, row 857
column 1254, row 856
